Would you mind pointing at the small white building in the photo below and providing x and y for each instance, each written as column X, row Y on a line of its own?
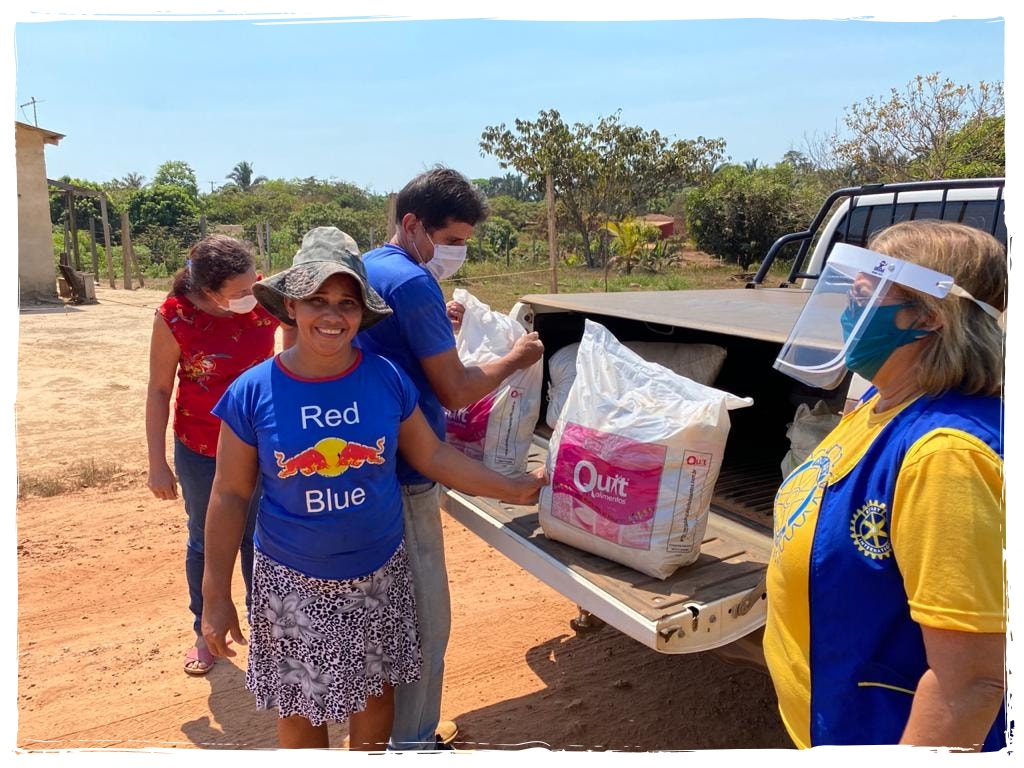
column 37, row 275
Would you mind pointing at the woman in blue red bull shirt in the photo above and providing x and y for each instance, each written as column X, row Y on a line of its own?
column 333, row 622
column 886, row 594
column 208, row 330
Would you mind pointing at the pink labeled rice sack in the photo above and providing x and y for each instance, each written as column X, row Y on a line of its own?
column 633, row 458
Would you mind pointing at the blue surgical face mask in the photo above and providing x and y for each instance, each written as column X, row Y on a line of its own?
column 878, row 338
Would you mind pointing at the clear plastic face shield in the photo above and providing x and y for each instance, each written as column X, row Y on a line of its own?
column 836, row 325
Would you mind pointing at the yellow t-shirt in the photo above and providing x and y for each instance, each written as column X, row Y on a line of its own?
column 947, row 535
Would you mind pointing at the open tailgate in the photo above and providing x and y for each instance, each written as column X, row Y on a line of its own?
column 702, row 606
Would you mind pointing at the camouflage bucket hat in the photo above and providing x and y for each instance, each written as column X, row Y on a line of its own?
column 325, row 251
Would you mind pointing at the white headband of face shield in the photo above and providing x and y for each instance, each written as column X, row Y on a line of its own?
column 818, row 346
column 912, row 276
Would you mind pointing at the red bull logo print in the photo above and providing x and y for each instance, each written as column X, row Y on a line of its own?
column 329, row 458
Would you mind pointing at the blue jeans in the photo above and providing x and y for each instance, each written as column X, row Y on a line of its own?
column 195, row 476
column 418, row 705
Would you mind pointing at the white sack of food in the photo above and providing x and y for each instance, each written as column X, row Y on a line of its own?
column 633, row 459
column 809, row 427
column 498, row 428
column 700, row 362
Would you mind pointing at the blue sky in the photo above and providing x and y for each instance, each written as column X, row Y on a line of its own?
column 373, row 103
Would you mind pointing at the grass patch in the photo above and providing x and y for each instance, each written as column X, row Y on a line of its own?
column 82, row 474
column 42, row 485
column 92, row 473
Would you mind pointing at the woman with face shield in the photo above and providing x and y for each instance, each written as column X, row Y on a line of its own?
column 886, row 594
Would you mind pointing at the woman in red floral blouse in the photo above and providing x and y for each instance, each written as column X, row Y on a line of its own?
column 208, row 331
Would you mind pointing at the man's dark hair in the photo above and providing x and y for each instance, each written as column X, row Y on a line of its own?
column 440, row 196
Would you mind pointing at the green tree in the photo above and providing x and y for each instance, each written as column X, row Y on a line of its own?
column 910, row 135
column 242, row 178
column 497, row 235
column 314, row 215
column 348, row 195
column 740, row 213
column 271, row 203
column 366, row 227
column 799, row 161
column 167, row 208
column 601, row 172
column 643, row 169
column 522, row 215
column 978, row 150
column 510, row 185
column 177, row 173
column 129, row 181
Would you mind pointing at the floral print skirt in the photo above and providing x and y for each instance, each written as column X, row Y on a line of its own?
column 320, row 647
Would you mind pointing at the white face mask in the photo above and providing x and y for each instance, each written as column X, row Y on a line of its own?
column 244, row 305
column 447, row 260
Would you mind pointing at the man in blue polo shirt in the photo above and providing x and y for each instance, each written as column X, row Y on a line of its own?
column 435, row 214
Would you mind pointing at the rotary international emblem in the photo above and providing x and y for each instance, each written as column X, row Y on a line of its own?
column 868, row 531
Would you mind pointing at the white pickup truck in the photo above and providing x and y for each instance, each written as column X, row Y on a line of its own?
column 719, row 599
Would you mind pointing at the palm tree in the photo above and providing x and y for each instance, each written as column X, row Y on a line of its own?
column 241, row 176
column 628, row 238
column 133, row 180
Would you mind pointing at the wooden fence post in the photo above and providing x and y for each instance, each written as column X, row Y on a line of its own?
column 107, row 250
column 392, row 223
column 138, row 269
column 267, row 240
column 92, row 250
column 259, row 241
column 552, row 249
column 77, row 263
column 65, row 257
column 126, row 250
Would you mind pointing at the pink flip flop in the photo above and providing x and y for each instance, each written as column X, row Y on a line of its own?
column 199, row 661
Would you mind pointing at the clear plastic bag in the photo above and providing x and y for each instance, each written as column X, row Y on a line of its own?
column 808, row 428
column 498, row 428
column 700, row 362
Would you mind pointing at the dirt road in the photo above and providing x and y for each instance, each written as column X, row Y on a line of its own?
column 102, row 604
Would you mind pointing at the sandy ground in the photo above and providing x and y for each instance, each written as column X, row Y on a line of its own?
column 102, row 605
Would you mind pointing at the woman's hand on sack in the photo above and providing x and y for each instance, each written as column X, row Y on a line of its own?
column 455, row 312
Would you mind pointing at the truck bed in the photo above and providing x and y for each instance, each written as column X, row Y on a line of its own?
column 717, row 599
column 764, row 314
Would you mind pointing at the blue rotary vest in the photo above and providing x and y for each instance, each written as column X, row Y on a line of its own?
column 867, row 654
